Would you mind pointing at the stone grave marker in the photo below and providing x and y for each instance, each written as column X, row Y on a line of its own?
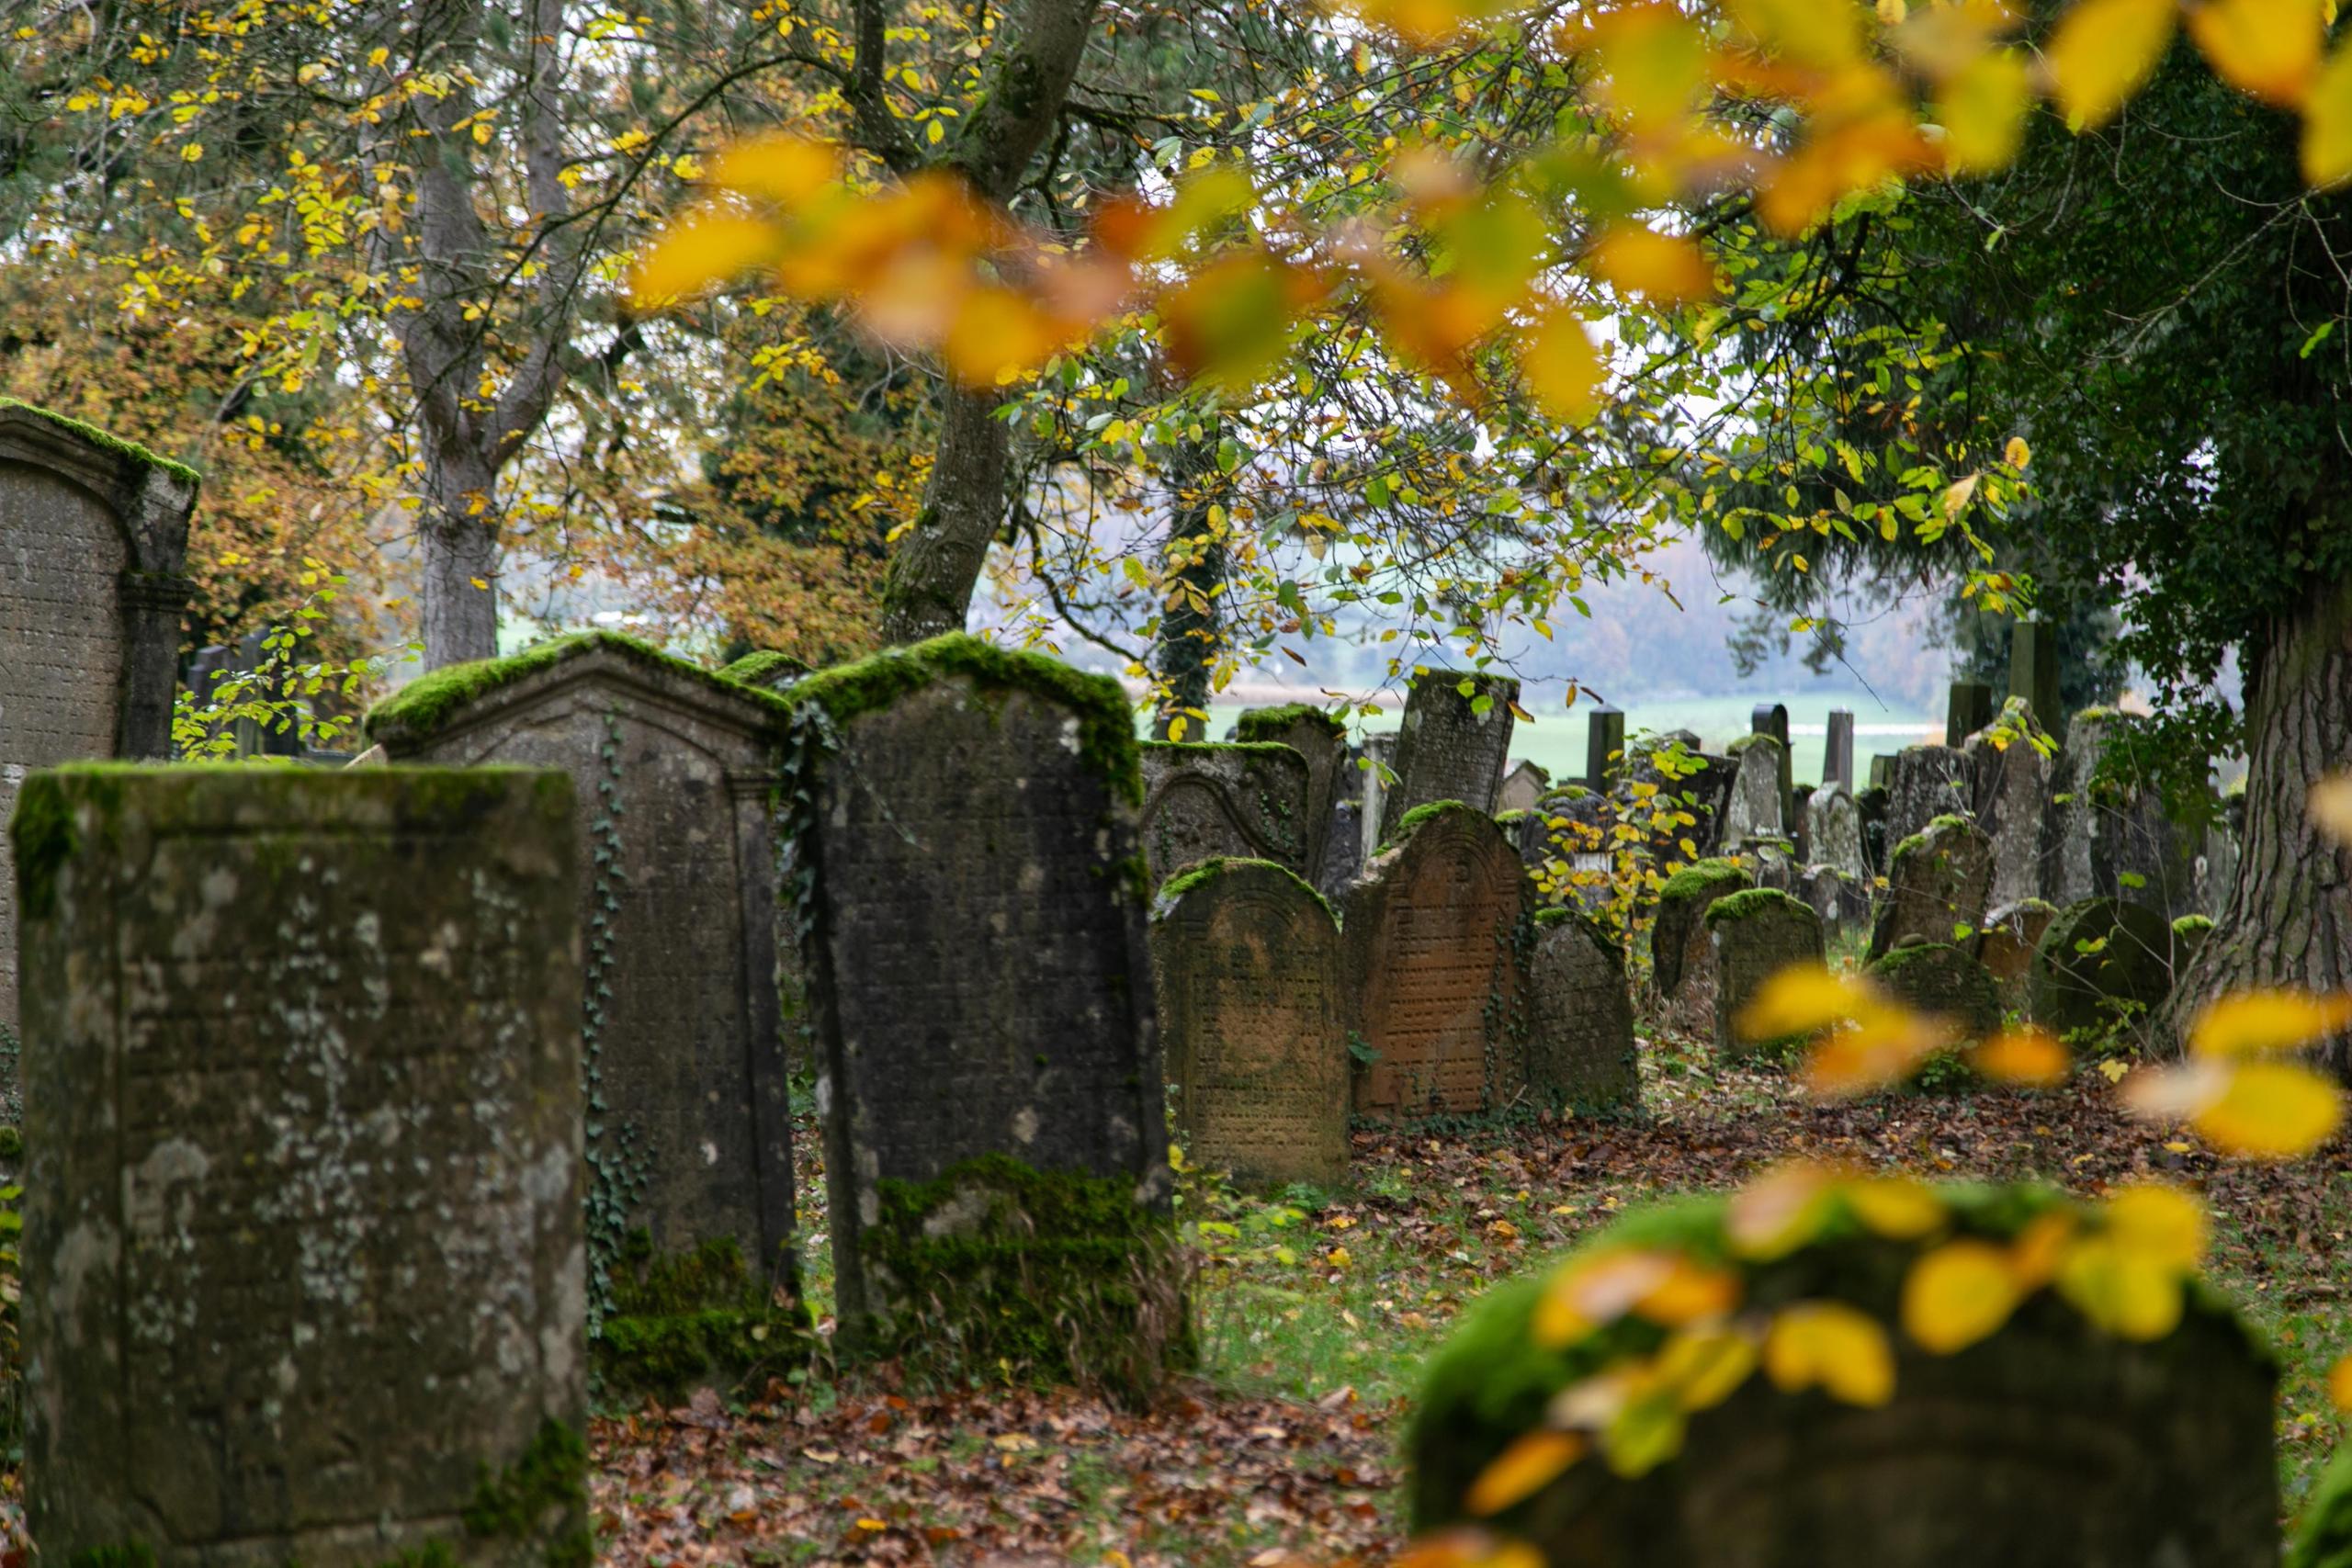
column 1580, row 1015
column 2012, row 799
column 981, row 984
column 304, row 1258
column 1773, row 719
column 1322, row 741
column 2096, row 953
column 1929, row 782
column 1524, row 785
column 1968, row 709
column 93, row 543
column 1378, row 763
column 1683, row 956
column 1837, row 749
column 1754, row 810
column 1446, row 748
column 2105, row 840
column 2012, row 933
column 2033, row 673
column 674, row 774
column 1837, row 836
column 1247, row 960
column 1938, row 884
column 1604, row 748
column 1431, row 931
column 1342, row 848
column 1225, row 799
column 1840, row 897
column 1942, row 979
column 1755, row 934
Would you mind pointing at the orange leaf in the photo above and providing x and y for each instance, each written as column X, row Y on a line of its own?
column 2030, row 1055
column 779, row 167
column 2248, row 1023
column 1665, row 267
column 1562, row 371
column 2339, row 1385
column 1520, row 1471
column 1832, row 1345
column 1958, row 1294
column 2272, row 1111
column 2269, row 48
column 1780, row 1211
column 705, row 247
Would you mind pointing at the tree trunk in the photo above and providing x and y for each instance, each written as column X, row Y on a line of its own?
column 1194, row 558
column 2288, row 920
column 459, row 546
column 929, row 588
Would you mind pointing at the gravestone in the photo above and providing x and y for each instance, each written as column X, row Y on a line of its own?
column 1431, row 933
column 1604, row 748
column 1524, row 785
column 767, row 668
column 1377, row 767
column 1580, row 1047
column 1837, row 835
column 2099, row 961
column 1938, row 883
column 1942, row 980
column 1243, row 801
column 304, row 1261
column 1929, row 782
column 2112, row 839
column 2012, row 934
column 1322, row 741
column 1342, row 848
column 1755, row 934
column 1773, row 719
column 1801, row 825
column 2033, row 673
column 674, row 772
column 2012, row 798
column 996, row 1150
column 1447, row 748
column 1682, row 956
column 1754, row 810
column 1246, row 958
column 1840, row 897
column 1968, row 709
column 1837, row 749
column 93, row 541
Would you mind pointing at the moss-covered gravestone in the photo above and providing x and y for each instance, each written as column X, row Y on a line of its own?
column 768, row 670
column 1239, row 801
column 1926, row 782
column 1754, row 810
column 304, row 1263
column 1683, row 956
column 1435, row 931
column 2050, row 1442
column 93, row 540
column 2099, row 961
column 995, row 1129
column 1755, row 934
column 2012, row 777
column 1938, row 978
column 1452, row 744
column 1937, row 884
column 1580, row 1048
column 1252, row 1021
column 1321, row 740
column 689, row 1125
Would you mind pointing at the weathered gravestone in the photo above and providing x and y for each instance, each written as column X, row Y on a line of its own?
column 689, row 1132
column 1322, row 741
column 1432, row 930
column 2012, row 934
column 1837, row 749
column 1755, row 934
column 2110, row 838
column 1968, row 709
column 1377, row 766
column 2101, row 961
column 2033, row 673
column 1942, row 980
column 93, row 539
column 1604, row 748
column 980, row 982
column 1580, row 1048
column 1929, row 782
column 1243, row 801
column 2012, row 798
column 1773, row 719
column 1836, row 831
column 1522, row 787
column 1567, row 844
column 1342, row 848
column 1448, row 748
column 1840, row 897
column 1754, row 810
column 1682, row 956
column 304, row 1261
column 1938, row 882
column 1245, row 957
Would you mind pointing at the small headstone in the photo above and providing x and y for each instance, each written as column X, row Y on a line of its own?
column 1522, row 787
column 1836, row 831
column 1245, row 957
column 1801, row 825
column 1242, row 801
column 1773, row 719
column 1938, row 883
column 2033, row 673
column 1580, row 1048
column 1840, row 897
column 1871, row 807
column 1682, row 956
column 1942, row 980
column 1929, row 782
column 1604, row 748
column 2108, row 841
column 93, row 541
column 304, row 1258
column 2099, row 960
column 1322, row 740
column 1433, row 931
column 1754, row 811
column 2012, row 933
column 1968, row 710
column 1837, row 751
column 1755, row 935
column 1447, row 748
column 2012, row 799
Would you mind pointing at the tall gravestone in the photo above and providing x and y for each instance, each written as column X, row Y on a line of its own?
column 1433, row 931
column 1378, row 764
column 995, row 1127
column 1247, row 960
column 674, row 772
column 1754, row 810
column 2033, row 673
column 1321, row 740
column 93, row 542
column 2110, row 838
column 1604, row 748
column 1755, row 935
column 1580, row 1015
column 304, row 1262
column 1241, row 800
column 1837, row 749
column 1928, row 781
column 2012, row 778
column 1968, row 709
column 1452, row 743
column 1773, row 719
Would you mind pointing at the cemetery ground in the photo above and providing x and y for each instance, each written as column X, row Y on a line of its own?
column 1316, row 1310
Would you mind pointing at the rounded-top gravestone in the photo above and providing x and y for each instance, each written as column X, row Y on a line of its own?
column 2098, row 961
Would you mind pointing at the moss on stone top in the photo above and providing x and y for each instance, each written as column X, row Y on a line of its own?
column 114, row 443
column 1748, row 742
column 1513, row 818
column 430, row 701
column 1203, row 871
column 1752, row 901
column 1918, row 840
column 1237, row 747
column 1698, row 880
column 1266, row 724
column 1411, row 820
column 1562, row 791
column 757, row 669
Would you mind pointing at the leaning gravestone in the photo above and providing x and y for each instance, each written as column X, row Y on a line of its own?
column 305, row 1275
column 1580, row 1048
column 996, row 1146
column 1683, row 961
column 674, row 771
column 2012, row 798
column 1755, row 934
column 1522, row 787
column 93, row 539
column 1754, row 811
column 1433, row 934
column 1929, row 782
column 1321, row 740
column 2098, row 960
column 1938, row 883
column 1237, row 800
column 1447, row 747
column 1245, row 957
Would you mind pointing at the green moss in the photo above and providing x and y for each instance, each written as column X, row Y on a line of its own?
column 44, row 837
column 1749, row 902
column 1513, row 818
column 114, row 443
column 1701, row 879
column 549, row 1477
column 12, row 1144
column 1269, row 724
column 1748, row 742
column 131, row 1554
column 1411, row 821
column 1231, row 748
column 1562, row 793
column 2324, row 1537
column 1207, row 870
column 697, row 1318
column 1106, row 734
column 427, row 702
column 760, row 669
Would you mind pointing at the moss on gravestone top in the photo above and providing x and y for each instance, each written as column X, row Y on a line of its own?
column 2325, row 1538
column 1918, row 840
column 1265, row 724
column 1701, row 878
column 428, row 701
column 1106, row 723
column 755, row 668
column 1748, row 742
column 1412, row 820
column 1561, row 792
column 1207, row 870
column 1515, row 816
column 1234, row 748
column 114, row 443
column 1749, row 902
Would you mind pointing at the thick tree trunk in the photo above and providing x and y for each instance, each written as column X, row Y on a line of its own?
column 2289, row 921
column 458, row 546
column 929, row 588
column 1194, row 558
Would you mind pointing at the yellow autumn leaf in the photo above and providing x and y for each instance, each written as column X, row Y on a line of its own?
column 1645, row 1433
column 1562, row 370
column 1664, row 268
column 997, row 334
column 2039, row 1249
column 2030, row 1056
column 2271, row 1111
column 1804, row 33
column 705, row 247
column 1800, row 1000
column 1689, row 1292
column 1982, row 108
column 1520, row 1471
column 1779, row 1211
column 1958, row 1294
column 2327, row 159
column 2016, row 454
column 2269, row 48
column 2162, row 1224
column 2124, row 1292
column 1835, row 1347
column 2252, row 1023
column 2330, row 803
column 1590, row 1292
column 1466, row 1547
column 778, row 167
column 2102, row 51
column 2339, row 1385
column 1894, row 1206
column 1652, row 65
column 1705, row 1366
column 1884, row 1044
column 1958, row 494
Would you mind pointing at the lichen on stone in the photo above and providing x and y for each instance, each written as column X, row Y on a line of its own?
column 1268, row 724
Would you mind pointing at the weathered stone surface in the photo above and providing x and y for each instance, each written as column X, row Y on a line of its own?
column 1682, row 956
column 768, row 670
column 1929, row 782
column 1446, row 748
column 1580, row 1015
column 1522, row 787
column 2111, row 840
column 2099, row 959
column 93, row 539
column 673, row 769
column 1604, row 748
column 1342, row 848
column 1379, row 765
column 2051, row 1444
column 1938, row 882
column 1801, row 825
column 2033, row 673
column 1321, row 740
column 1836, row 831
column 1755, row 935
column 995, row 1125
column 1234, row 801
column 1968, row 709
column 1773, row 719
column 303, row 1248
column 1432, row 930
column 2217, row 868
column 2007, row 945
column 1837, row 749
column 2012, row 798
column 1840, row 897
column 1247, row 960
column 1754, row 810
column 1936, row 979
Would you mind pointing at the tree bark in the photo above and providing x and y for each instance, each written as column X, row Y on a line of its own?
column 2288, row 920
column 929, row 588
column 1195, row 557
column 458, row 549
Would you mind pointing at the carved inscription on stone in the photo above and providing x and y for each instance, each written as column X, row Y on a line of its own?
column 1244, row 800
column 1447, row 748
